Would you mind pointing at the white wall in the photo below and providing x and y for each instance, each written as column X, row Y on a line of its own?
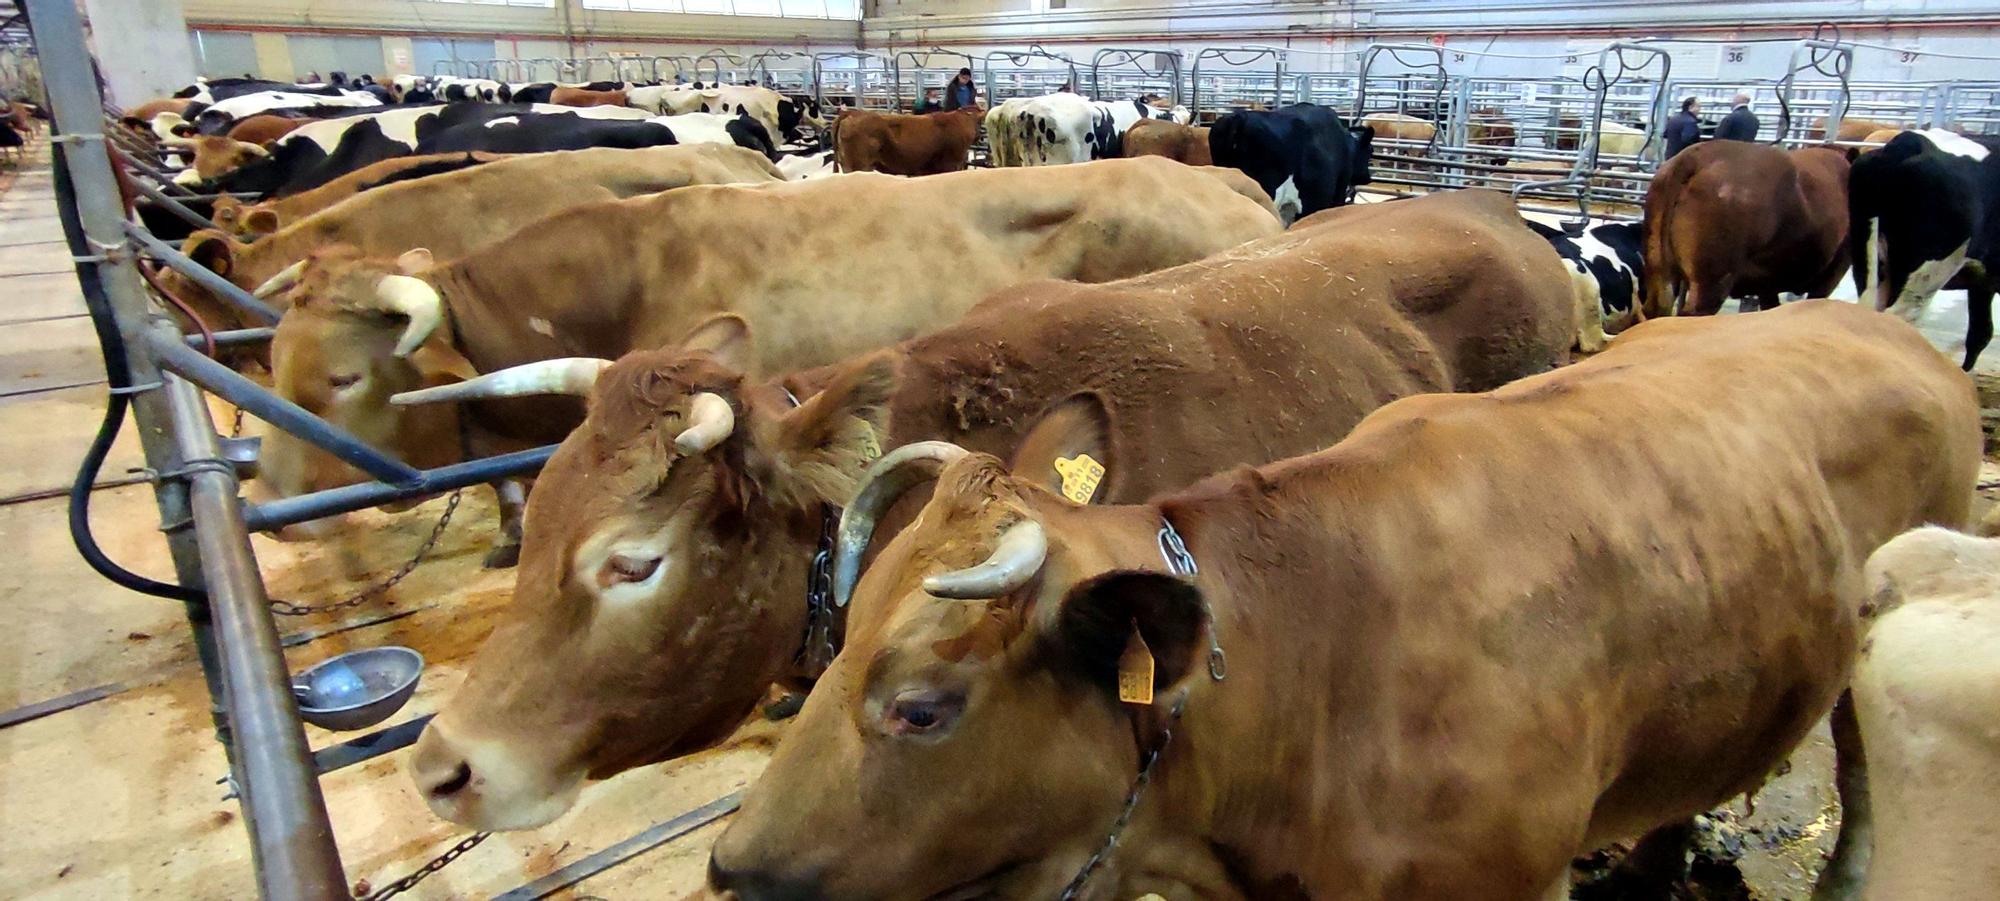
column 139, row 44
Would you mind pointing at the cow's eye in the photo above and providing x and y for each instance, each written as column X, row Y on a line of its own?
column 918, row 711
column 337, row 382
column 623, row 568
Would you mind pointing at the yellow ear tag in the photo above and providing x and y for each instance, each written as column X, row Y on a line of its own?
column 871, row 446
column 1080, row 477
column 1135, row 671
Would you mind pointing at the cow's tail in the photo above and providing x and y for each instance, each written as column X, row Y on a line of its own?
column 1662, row 267
column 833, row 142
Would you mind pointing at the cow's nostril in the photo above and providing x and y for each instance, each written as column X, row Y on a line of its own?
column 460, row 778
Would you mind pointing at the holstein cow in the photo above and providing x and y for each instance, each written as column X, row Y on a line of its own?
column 801, row 163
column 219, row 117
column 207, row 91
column 1302, row 155
column 484, row 203
column 704, row 547
column 254, row 220
column 1065, row 128
column 607, row 278
column 1926, row 695
column 539, row 132
column 901, row 144
column 1607, row 268
column 1735, row 219
column 1393, row 669
column 1924, row 213
column 1173, row 140
column 785, row 116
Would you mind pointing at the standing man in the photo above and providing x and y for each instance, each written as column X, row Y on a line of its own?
column 960, row 91
column 1741, row 124
column 1683, row 128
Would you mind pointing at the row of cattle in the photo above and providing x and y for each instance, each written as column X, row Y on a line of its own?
column 1157, row 319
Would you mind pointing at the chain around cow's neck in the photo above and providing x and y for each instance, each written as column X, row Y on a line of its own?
column 1146, row 762
column 816, row 650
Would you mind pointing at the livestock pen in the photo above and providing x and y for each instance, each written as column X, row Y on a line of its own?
column 130, row 796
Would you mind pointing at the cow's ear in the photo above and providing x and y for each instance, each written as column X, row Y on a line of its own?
column 259, row 223
column 726, row 337
column 1069, row 450
column 416, row 261
column 818, row 452
column 1097, row 617
column 212, row 249
column 441, row 364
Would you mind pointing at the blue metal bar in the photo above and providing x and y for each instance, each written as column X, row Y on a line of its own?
column 348, row 498
column 227, row 384
column 222, row 287
column 232, row 337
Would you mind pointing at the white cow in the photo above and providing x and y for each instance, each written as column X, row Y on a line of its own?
column 1926, row 697
column 1065, row 128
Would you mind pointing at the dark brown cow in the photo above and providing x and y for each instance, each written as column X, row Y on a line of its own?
column 140, row 118
column 695, row 557
column 1161, row 137
column 1477, row 637
column 903, row 144
column 264, row 128
column 1735, row 219
column 563, row 96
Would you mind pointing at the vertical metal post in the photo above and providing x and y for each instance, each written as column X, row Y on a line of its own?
column 293, row 842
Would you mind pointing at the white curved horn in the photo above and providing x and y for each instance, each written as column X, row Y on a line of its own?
column 285, row 278
column 412, row 297
column 1016, row 558
column 568, row 375
column 710, row 420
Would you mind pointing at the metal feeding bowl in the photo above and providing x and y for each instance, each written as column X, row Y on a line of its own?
column 359, row 688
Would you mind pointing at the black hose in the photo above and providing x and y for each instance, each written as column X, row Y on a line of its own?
column 114, row 410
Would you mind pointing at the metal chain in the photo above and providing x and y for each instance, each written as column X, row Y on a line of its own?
column 1181, row 563
column 1077, row 882
column 236, row 424
column 818, row 650
column 287, row 608
column 419, row 874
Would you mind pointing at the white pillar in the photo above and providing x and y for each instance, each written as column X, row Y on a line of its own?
column 142, row 47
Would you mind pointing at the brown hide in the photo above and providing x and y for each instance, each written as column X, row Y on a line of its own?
column 1272, row 349
column 607, row 278
column 481, row 204
column 1477, row 637
column 563, row 96
column 1851, row 129
column 1160, row 137
column 243, row 219
column 902, row 144
column 263, row 128
column 140, row 118
column 1735, row 219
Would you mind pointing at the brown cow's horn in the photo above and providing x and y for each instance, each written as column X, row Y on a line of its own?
column 896, row 472
column 569, row 375
column 1015, row 560
column 285, row 278
column 710, row 420
column 412, row 297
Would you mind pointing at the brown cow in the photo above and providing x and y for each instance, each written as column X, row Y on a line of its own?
column 1735, row 219
column 484, row 203
column 264, row 128
column 1258, row 353
column 1926, row 694
column 566, row 96
column 255, row 220
column 214, row 155
column 1851, row 129
column 1477, row 637
column 1161, row 137
column 904, row 144
column 140, row 118
column 607, row 278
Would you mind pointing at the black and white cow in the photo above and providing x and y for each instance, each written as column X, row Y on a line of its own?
column 217, row 118
column 1065, row 128
column 214, row 90
column 1924, row 215
column 1607, row 271
column 542, row 132
column 1303, row 155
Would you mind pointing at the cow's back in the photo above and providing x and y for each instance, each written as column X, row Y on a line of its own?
column 1754, row 217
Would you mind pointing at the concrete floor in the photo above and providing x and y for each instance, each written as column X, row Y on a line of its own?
column 119, row 796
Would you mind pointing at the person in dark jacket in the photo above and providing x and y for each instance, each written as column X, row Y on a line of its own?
column 1741, row 124
column 1684, row 127
column 930, row 102
column 960, row 92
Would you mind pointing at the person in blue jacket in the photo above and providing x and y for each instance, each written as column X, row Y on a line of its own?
column 960, row 92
